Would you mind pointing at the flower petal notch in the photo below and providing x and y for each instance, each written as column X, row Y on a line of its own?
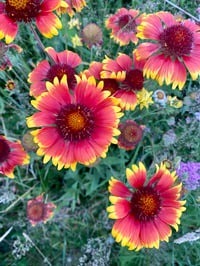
column 38, row 211
column 74, row 128
column 124, row 26
column 144, row 216
column 13, row 12
column 173, row 49
column 11, row 155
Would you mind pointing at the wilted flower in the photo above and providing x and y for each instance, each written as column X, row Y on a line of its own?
column 145, row 213
column 38, row 211
column 124, row 26
column 189, row 174
column 4, row 60
column 28, row 143
column 92, row 35
column 11, row 155
column 131, row 134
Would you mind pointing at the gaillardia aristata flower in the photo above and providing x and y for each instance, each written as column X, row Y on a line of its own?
column 65, row 63
column 78, row 5
column 145, row 213
column 130, row 74
column 11, row 155
column 131, row 134
column 75, row 128
column 13, row 12
column 123, row 25
column 174, row 47
column 38, row 211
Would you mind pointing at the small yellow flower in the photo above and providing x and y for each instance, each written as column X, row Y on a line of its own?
column 174, row 102
column 74, row 22
column 144, row 98
column 76, row 41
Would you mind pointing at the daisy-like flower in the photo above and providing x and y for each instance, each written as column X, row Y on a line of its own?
column 10, row 85
column 11, row 155
column 130, row 74
column 92, row 35
column 124, row 26
column 13, row 12
column 144, row 98
column 131, row 134
column 160, row 97
column 175, row 48
column 78, row 5
column 65, row 63
column 145, row 213
column 75, row 128
column 38, row 211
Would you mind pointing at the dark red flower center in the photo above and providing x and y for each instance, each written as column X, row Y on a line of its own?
column 60, row 69
column 160, row 95
column 145, row 204
column 176, row 41
column 36, row 211
column 110, row 85
column 126, row 23
column 22, row 10
column 134, row 80
column 4, row 151
column 131, row 133
column 75, row 122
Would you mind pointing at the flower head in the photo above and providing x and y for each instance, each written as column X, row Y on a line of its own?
column 131, row 134
column 174, row 102
column 144, row 219
column 92, row 35
column 78, row 5
column 13, row 12
column 130, row 75
column 65, row 64
column 160, row 97
column 175, row 48
column 189, row 174
column 76, row 41
column 11, row 155
column 144, row 98
column 75, row 128
column 38, row 211
column 123, row 25
column 10, row 85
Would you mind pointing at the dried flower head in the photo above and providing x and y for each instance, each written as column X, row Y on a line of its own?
column 92, row 35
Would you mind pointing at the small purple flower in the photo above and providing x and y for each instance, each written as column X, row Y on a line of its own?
column 189, row 173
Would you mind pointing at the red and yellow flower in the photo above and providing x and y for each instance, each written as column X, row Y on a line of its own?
column 124, row 26
column 174, row 47
column 130, row 75
column 13, row 12
column 78, row 5
column 65, row 64
column 38, row 211
column 146, row 213
column 11, row 155
column 75, row 128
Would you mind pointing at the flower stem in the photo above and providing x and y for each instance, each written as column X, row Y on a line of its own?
column 41, row 44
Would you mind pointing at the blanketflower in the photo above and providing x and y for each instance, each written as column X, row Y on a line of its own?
column 130, row 74
column 189, row 174
column 75, row 128
column 13, row 12
column 174, row 47
column 92, row 35
column 145, row 213
column 123, row 25
column 11, row 155
column 131, row 134
column 78, row 5
column 65, row 63
column 38, row 211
